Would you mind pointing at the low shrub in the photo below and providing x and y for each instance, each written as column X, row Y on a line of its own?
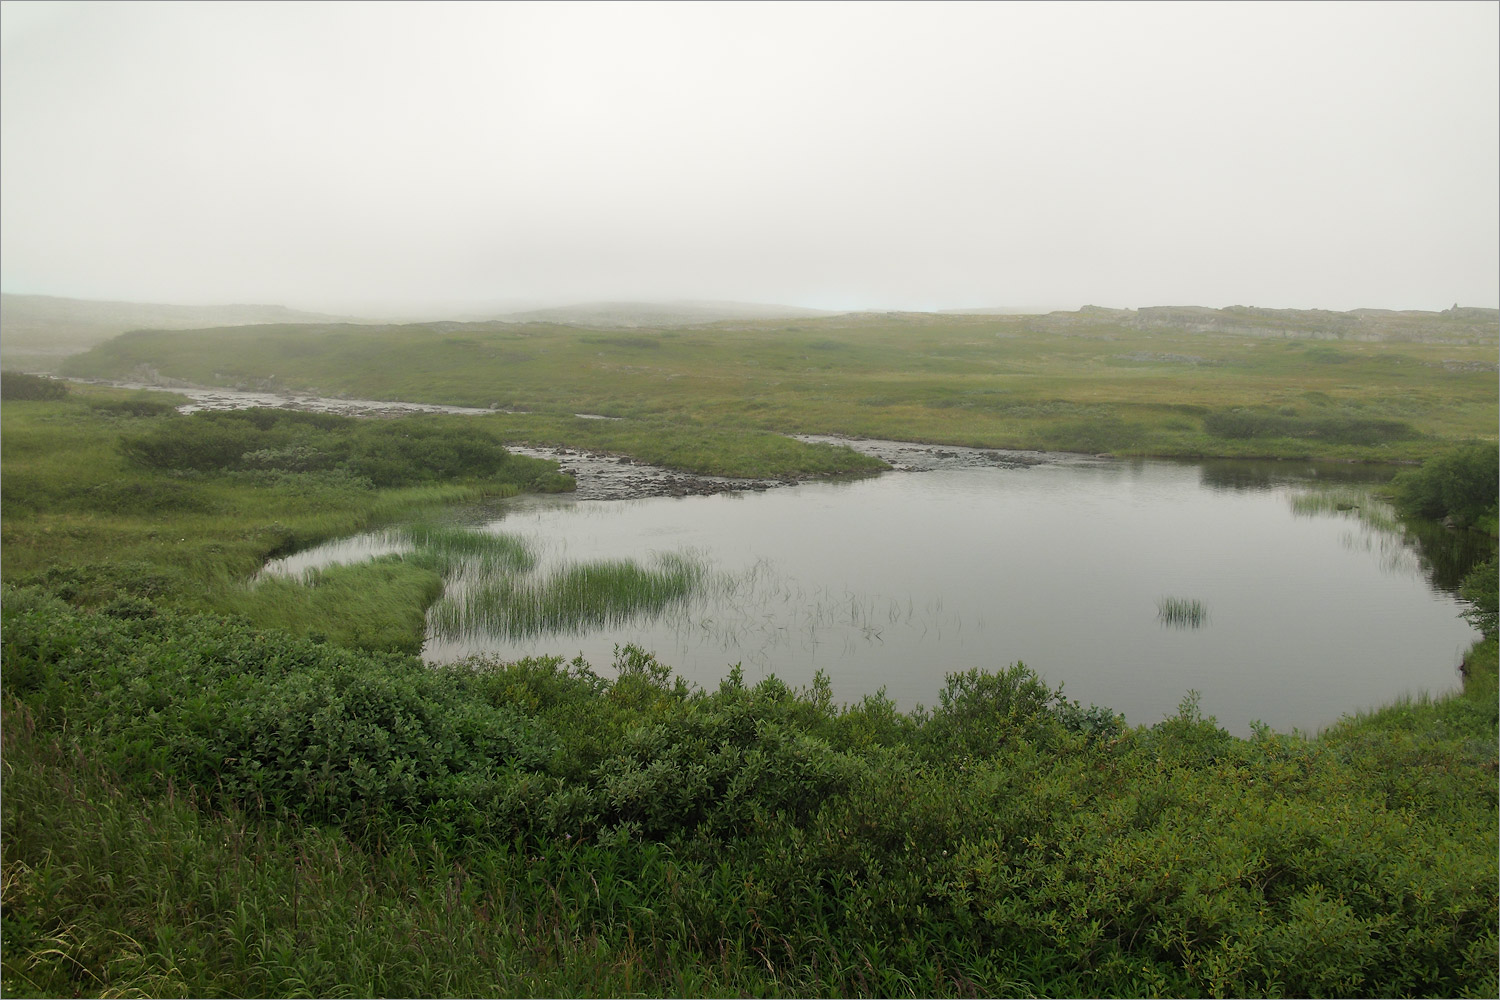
column 19, row 385
column 1460, row 484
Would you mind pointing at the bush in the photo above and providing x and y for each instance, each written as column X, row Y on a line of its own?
column 143, row 405
column 829, row 850
column 1461, row 484
column 18, row 385
column 387, row 453
column 1480, row 590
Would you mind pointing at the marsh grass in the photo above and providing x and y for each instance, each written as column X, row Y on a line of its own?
column 473, row 583
column 1181, row 612
column 1366, row 505
column 704, row 400
column 570, row 599
column 373, row 605
column 451, row 546
column 88, row 522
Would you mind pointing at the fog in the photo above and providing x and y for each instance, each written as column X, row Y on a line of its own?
column 368, row 157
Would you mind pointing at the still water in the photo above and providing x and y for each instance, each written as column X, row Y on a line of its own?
column 894, row 581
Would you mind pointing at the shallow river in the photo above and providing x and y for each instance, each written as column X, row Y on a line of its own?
column 894, row 581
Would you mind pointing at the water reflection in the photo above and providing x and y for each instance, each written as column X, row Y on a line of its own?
column 1443, row 556
column 1266, row 474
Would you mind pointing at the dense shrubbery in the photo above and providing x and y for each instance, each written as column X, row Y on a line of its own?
column 1459, row 487
column 18, row 385
column 142, row 404
column 398, row 452
column 1482, row 590
column 1458, row 484
column 1005, row 842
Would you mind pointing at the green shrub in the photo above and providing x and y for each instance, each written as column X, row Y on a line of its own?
column 1461, row 484
column 757, row 835
column 1480, row 589
column 141, row 405
column 19, row 385
column 387, row 453
column 979, row 712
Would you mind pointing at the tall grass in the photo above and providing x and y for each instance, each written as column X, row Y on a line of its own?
column 1181, row 612
column 570, row 599
column 450, row 547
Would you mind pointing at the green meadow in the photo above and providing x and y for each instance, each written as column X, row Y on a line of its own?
column 218, row 785
column 1090, row 382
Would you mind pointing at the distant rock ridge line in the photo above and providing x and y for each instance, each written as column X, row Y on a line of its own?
column 1458, row 325
column 632, row 315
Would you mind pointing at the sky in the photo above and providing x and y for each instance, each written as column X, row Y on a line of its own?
column 361, row 157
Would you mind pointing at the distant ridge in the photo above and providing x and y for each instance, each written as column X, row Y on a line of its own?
column 1460, row 324
column 38, row 331
column 658, row 314
column 35, row 328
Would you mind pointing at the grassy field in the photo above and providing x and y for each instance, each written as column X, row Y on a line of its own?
column 1091, row 384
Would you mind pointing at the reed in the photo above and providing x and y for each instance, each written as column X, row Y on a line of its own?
column 1360, row 503
column 1181, row 612
column 572, row 599
column 451, row 546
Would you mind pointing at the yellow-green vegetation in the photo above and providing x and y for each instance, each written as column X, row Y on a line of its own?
column 1094, row 381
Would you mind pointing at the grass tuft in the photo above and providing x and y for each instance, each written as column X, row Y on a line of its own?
column 1181, row 612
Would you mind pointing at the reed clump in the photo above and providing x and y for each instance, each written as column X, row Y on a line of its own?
column 570, row 599
column 1181, row 612
column 450, row 546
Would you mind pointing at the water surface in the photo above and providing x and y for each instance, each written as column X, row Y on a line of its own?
column 894, row 581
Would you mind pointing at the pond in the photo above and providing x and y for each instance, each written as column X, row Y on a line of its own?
column 1310, row 603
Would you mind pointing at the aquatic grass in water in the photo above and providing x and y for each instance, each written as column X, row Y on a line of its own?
column 1363, row 504
column 491, row 585
column 574, row 598
column 1181, row 612
column 451, row 546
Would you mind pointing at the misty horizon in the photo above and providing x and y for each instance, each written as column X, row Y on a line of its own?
column 406, row 160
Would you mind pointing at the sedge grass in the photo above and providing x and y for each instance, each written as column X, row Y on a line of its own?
column 450, row 546
column 1181, row 612
column 570, row 599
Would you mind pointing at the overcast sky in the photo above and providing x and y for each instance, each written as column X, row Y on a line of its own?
column 358, row 156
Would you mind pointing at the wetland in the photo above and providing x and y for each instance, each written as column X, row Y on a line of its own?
column 533, row 702
column 985, row 558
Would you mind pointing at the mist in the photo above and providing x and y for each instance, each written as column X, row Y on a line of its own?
column 365, row 158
